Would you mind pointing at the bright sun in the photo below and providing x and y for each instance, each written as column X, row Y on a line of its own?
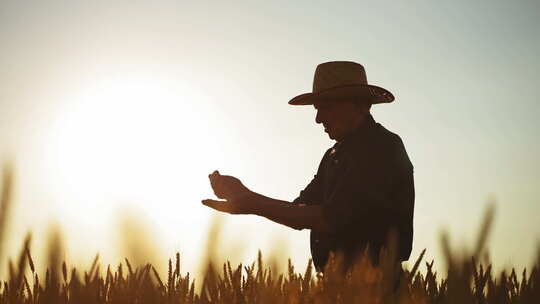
column 133, row 142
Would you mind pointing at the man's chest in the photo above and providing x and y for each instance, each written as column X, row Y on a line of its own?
column 335, row 168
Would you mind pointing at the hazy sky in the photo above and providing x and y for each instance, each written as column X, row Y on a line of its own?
column 110, row 106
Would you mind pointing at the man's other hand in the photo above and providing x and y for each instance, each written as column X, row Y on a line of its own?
column 227, row 187
column 237, row 197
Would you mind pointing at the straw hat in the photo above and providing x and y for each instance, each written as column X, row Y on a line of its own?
column 338, row 80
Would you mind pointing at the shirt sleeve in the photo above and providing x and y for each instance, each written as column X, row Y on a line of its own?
column 313, row 193
column 363, row 195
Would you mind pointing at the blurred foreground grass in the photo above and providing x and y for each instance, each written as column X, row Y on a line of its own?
column 468, row 281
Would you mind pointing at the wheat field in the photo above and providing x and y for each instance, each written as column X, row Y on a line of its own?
column 468, row 281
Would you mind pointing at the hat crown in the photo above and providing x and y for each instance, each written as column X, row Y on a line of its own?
column 338, row 74
column 342, row 80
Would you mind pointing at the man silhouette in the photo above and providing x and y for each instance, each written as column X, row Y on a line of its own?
column 362, row 195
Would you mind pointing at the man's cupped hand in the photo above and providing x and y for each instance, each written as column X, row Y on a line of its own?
column 237, row 197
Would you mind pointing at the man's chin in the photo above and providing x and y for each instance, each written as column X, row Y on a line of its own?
column 331, row 136
column 334, row 137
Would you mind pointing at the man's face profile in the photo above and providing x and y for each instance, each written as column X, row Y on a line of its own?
column 338, row 117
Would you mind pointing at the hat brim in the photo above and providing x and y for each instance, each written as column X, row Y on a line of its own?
column 370, row 93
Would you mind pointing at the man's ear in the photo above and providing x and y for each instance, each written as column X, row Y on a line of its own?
column 363, row 107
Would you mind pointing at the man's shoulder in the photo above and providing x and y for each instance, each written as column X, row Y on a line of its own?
column 386, row 136
column 379, row 138
column 380, row 146
column 391, row 145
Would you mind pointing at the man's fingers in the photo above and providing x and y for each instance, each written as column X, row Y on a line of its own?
column 214, row 177
column 216, row 186
column 220, row 184
column 209, row 202
column 214, row 174
column 222, row 206
column 216, row 183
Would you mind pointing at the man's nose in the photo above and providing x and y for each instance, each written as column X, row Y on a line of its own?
column 318, row 117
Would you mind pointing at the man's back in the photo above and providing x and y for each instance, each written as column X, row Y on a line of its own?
column 365, row 185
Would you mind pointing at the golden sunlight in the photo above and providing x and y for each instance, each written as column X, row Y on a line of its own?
column 133, row 143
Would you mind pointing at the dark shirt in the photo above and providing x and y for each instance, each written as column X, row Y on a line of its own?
column 365, row 186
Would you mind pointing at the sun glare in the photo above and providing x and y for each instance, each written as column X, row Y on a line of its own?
column 133, row 143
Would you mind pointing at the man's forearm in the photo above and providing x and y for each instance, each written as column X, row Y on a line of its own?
column 289, row 214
